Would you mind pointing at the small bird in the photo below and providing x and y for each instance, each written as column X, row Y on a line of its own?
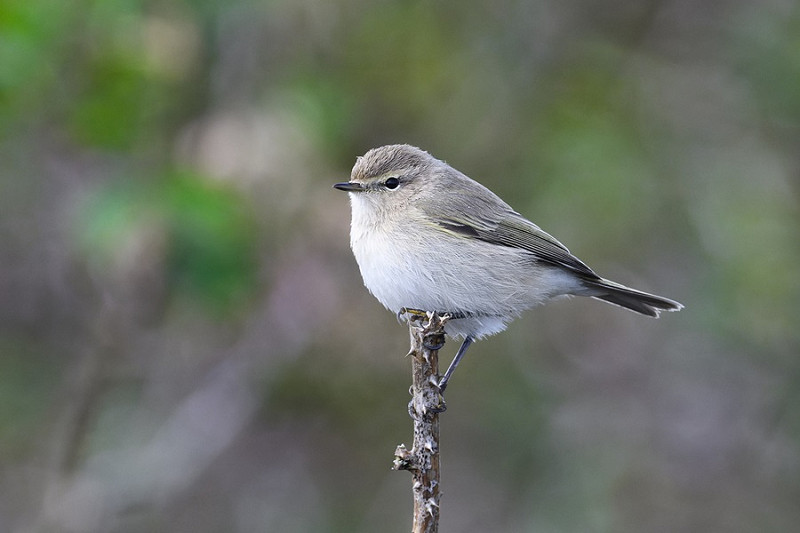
column 427, row 237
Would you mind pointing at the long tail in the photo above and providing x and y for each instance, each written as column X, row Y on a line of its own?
column 637, row 301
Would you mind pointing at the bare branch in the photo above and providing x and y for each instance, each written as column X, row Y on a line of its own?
column 422, row 460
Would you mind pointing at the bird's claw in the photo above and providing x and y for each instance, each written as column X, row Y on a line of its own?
column 429, row 343
column 409, row 311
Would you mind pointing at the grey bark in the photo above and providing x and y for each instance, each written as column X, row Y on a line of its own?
column 422, row 460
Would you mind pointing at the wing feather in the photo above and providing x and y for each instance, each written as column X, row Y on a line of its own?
column 478, row 213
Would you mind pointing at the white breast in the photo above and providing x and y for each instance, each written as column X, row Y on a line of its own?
column 420, row 266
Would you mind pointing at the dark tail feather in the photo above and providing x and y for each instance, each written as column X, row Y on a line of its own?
column 637, row 301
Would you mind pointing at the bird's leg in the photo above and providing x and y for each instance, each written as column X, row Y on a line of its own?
column 464, row 345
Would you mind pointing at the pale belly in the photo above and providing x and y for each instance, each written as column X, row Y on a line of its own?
column 451, row 274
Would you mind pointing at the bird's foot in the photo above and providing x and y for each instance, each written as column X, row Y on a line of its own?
column 418, row 313
column 433, row 342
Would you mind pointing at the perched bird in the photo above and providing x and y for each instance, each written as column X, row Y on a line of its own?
column 427, row 237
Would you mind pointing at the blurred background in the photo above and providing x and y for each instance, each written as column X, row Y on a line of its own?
column 185, row 342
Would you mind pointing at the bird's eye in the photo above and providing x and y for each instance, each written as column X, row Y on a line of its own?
column 392, row 183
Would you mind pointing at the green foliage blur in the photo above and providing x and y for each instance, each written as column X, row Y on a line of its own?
column 185, row 342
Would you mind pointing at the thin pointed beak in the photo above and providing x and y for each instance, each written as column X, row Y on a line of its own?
column 349, row 186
